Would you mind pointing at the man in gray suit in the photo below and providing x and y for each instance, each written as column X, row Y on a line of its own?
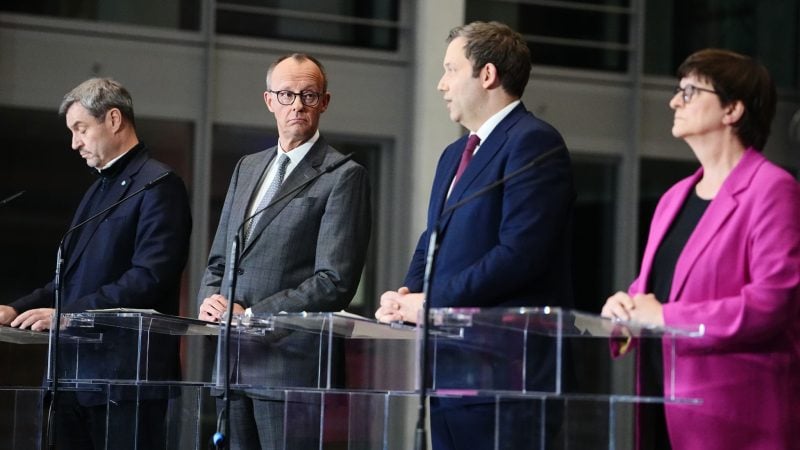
column 302, row 250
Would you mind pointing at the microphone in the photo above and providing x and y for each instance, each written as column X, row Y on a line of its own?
column 11, row 198
column 219, row 438
column 427, row 280
column 55, row 330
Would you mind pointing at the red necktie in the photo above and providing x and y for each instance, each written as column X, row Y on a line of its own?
column 466, row 156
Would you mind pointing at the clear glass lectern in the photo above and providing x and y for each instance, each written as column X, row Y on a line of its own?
column 338, row 370
column 348, row 382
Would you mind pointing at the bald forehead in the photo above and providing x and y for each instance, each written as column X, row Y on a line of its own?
column 292, row 71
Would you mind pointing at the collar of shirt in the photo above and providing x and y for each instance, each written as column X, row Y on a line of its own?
column 486, row 129
column 111, row 163
column 295, row 155
column 117, row 165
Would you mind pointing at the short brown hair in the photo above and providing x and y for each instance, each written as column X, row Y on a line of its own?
column 738, row 77
column 497, row 43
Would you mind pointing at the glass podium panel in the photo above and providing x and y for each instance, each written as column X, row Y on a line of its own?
column 472, row 352
column 20, row 418
column 129, row 346
column 139, row 417
column 344, row 420
column 17, row 336
column 495, row 351
column 346, row 381
column 331, row 419
column 317, row 351
column 24, row 353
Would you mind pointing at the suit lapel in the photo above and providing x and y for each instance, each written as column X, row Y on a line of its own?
column 79, row 216
column 449, row 165
column 719, row 211
column 117, row 190
column 486, row 153
column 249, row 181
column 308, row 168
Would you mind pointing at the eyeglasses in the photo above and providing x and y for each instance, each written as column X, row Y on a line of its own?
column 689, row 90
column 286, row 98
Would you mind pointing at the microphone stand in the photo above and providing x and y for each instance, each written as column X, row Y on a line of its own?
column 219, row 439
column 420, row 441
column 11, row 198
column 56, row 327
column 223, row 425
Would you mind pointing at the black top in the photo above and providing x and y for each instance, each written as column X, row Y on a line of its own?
column 660, row 283
column 666, row 257
column 652, row 430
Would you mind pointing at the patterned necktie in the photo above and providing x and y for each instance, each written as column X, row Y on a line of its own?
column 466, row 156
column 283, row 162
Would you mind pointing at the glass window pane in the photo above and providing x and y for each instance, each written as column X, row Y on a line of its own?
column 368, row 24
column 372, row 9
column 765, row 30
column 39, row 160
column 584, row 35
column 656, row 177
column 178, row 14
column 593, row 249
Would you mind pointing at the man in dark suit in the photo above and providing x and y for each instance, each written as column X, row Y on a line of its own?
column 132, row 256
column 303, row 250
column 507, row 247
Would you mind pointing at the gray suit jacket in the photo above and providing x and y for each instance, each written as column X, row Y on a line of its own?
column 306, row 253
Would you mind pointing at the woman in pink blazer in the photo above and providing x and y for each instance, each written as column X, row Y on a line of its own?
column 724, row 251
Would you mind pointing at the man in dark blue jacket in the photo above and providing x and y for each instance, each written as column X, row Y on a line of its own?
column 131, row 257
column 507, row 247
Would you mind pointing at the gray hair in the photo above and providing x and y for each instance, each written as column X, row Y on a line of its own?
column 98, row 96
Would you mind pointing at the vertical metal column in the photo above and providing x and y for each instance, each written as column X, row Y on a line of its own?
column 627, row 214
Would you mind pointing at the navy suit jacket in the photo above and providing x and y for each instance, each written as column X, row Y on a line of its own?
column 510, row 246
column 131, row 257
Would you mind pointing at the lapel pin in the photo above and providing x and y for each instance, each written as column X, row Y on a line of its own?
column 124, row 182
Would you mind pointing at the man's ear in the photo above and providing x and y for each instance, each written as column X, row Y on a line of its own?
column 489, row 77
column 114, row 119
column 268, row 100
column 324, row 101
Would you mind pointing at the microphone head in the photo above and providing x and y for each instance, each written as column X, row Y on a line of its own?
column 157, row 180
column 218, row 439
column 11, row 198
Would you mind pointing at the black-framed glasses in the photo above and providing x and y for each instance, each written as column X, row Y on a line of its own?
column 286, row 98
column 688, row 91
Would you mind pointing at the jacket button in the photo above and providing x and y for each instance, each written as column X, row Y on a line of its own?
column 240, row 271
